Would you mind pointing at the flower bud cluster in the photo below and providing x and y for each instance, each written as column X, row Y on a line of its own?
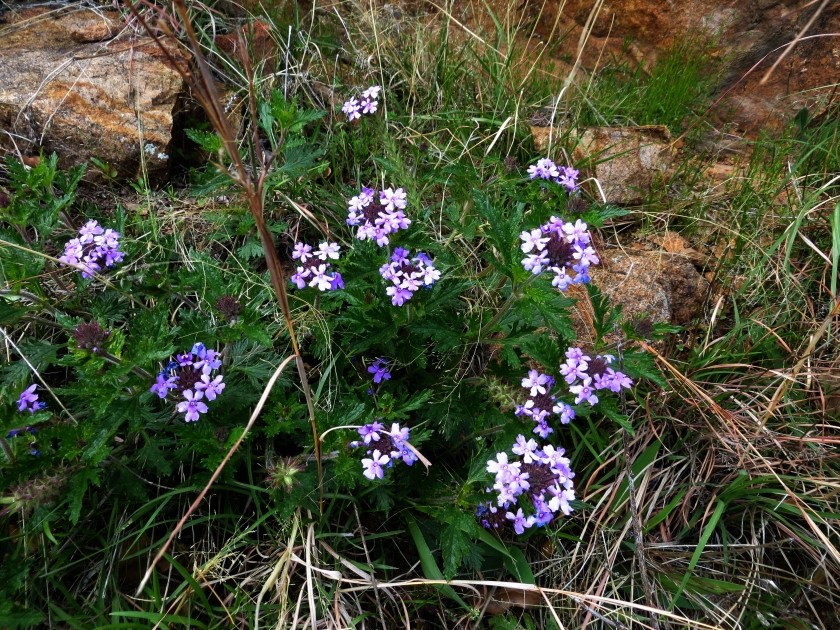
column 94, row 249
column 28, row 400
column 354, row 108
column 540, row 479
column 314, row 267
column 384, row 447
column 561, row 247
column 378, row 215
column 585, row 375
column 541, row 403
column 407, row 275
column 191, row 376
column 90, row 336
column 547, row 169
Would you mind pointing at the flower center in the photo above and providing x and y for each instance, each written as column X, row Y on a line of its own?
column 559, row 251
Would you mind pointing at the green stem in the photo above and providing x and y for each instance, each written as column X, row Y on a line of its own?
column 515, row 294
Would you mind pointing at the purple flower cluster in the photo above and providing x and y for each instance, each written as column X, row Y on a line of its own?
column 192, row 377
column 379, row 370
column 94, row 249
column 407, row 275
column 354, row 108
column 377, row 216
column 585, row 375
column 383, row 447
column 547, row 169
column 541, row 403
column 314, row 267
column 563, row 248
column 28, row 400
column 542, row 475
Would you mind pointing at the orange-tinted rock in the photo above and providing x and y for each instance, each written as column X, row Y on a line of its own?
column 63, row 89
column 749, row 35
column 664, row 286
column 627, row 161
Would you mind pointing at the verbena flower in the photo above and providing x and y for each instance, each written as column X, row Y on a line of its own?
column 28, row 400
column 545, row 168
column 541, row 404
column 192, row 378
column 314, row 268
column 406, row 275
column 586, row 376
column 561, row 247
column 95, row 249
column 378, row 215
column 530, row 491
column 384, row 447
column 373, row 467
column 368, row 103
column 379, row 369
column 192, row 406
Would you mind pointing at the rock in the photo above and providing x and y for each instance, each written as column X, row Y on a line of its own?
column 749, row 34
column 627, row 161
column 65, row 89
column 664, row 286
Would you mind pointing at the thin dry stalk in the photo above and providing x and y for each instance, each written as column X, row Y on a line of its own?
column 252, row 182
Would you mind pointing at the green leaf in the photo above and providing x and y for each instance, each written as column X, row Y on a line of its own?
column 597, row 216
column 698, row 551
column 459, row 530
column 206, row 140
column 77, row 488
column 427, row 562
column 515, row 561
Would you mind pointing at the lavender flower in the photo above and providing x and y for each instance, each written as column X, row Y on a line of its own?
column 543, row 476
column 541, row 404
column 355, row 108
column 563, row 248
column 586, row 376
column 192, row 406
column 384, row 447
column 314, row 267
column 28, row 400
column 377, row 217
column 406, row 275
column 94, row 249
column 545, row 168
column 352, row 108
column 193, row 379
column 379, row 369
column 373, row 466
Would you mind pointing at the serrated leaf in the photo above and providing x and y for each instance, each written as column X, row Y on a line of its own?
column 455, row 541
column 77, row 488
column 642, row 365
column 427, row 561
column 597, row 216
column 543, row 349
column 206, row 140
